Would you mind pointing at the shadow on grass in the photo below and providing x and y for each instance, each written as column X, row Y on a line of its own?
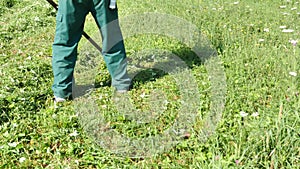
column 152, row 73
column 146, row 74
column 184, row 57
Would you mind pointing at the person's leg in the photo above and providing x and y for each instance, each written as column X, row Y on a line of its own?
column 69, row 27
column 113, row 46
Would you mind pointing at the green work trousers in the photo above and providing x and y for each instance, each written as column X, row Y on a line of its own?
column 69, row 28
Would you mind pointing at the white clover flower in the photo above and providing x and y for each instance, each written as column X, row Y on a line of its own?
column 13, row 144
column 74, row 134
column 36, row 19
column 243, row 114
column 287, row 30
column 143, row 95
column 293, row 8
column 48, row 150
column 293, row 73
column 266, row 30
column 285, row 13
column 282, row 27
column 166, row 102
column 255, row 114
column 22, row 159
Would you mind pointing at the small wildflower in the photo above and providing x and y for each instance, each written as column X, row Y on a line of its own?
column 22, row 159
column 74, row 134
column 261, row 40
column 282, row 7
column 237, row 162
column 293, row 8
column 235, row 3
column 266, row 30
column 243, row 114
column 54, row 116
column 287, row 30
column 282, row 27
column 285, row 13
column 166, row 102
column 37, row 19
column 14, row 144
column 48, row 150
column 143, row 95
column 255, row 114
column 293, row 73
column 293, row 42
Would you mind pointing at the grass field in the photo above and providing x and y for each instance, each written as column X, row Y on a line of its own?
column 256, row 42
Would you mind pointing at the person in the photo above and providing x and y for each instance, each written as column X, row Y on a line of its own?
column 70, row 21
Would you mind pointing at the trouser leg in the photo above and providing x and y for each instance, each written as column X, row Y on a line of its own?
column 69, row 27
column 113, row 46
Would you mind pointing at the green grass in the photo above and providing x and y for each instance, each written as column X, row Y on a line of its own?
column 34, row 135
